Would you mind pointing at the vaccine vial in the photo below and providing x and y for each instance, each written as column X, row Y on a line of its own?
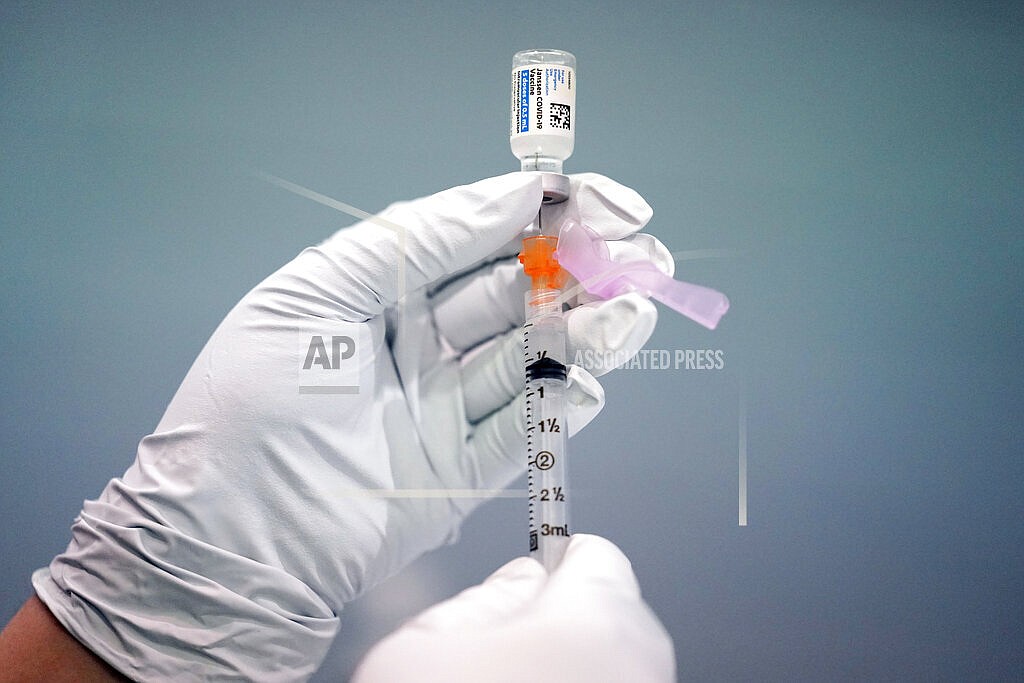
column 542, row 127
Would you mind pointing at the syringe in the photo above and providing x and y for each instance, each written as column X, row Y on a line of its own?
column 546, row 427
column 542, row 134
column 542, row 129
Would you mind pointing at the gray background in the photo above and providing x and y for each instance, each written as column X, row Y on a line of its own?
column 864, row 160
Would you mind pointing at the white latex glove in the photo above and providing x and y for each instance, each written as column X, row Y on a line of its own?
column 584, row 623
column 257, row 508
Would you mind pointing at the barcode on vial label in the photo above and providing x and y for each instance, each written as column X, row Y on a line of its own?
column 559, row 117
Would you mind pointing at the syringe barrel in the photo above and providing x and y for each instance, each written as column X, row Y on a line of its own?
column 550, row 481
column 547, row 430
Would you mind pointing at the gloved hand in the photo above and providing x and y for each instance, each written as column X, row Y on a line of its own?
column 586, row 622
column 343, row 419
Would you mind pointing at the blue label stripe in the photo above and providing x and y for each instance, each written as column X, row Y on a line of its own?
column 524, row 100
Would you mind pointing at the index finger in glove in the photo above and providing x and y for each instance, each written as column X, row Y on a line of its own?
column 473, row 308
column 367, row 267
column 610, row 209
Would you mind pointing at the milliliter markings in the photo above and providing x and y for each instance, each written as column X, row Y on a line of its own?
column 553, row 494
column 545, row 460
column 550, row 424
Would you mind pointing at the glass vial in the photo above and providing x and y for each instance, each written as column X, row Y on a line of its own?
column 542, row 127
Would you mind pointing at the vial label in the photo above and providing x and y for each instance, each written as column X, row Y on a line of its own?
column 543, row 103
